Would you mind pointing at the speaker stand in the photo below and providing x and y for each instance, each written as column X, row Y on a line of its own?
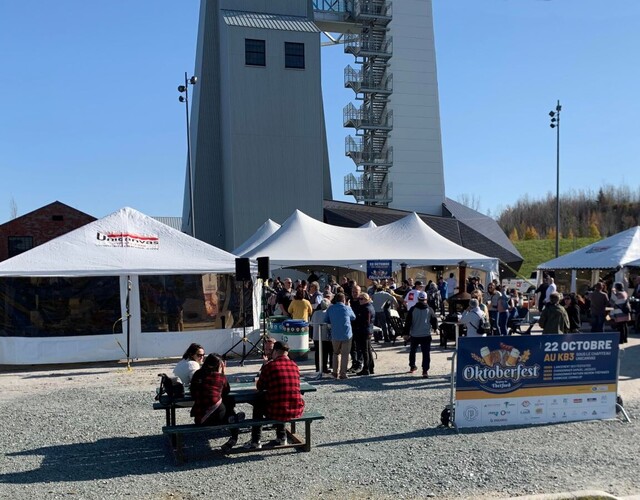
column 244, row 340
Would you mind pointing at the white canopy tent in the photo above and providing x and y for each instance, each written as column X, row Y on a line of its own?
column 616, row 252
column 263, row 232
column 126, row 244
column 304, row 241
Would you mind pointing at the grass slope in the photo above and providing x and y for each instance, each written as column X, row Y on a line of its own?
column 536, row 252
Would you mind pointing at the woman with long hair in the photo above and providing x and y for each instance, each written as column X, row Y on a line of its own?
column 190, row 363
column 211, row 403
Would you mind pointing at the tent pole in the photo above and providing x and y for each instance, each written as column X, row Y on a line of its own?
column 128, row 316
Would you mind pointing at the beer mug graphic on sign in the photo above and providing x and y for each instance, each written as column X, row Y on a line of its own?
column 512, row 359
column 486, row 355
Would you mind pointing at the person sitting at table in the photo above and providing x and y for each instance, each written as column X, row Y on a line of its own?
column 189, row 364
column 280, row 399
column 211, row 404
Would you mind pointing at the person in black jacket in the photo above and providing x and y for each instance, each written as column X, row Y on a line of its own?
column 573, row 311
column 420, row 321
column 363, row 331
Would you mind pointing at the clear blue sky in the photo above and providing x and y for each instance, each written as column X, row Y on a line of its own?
column 89, row 113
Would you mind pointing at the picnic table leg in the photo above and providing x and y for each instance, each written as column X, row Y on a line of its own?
column 307, row 435
column 168, row 415
column 293, row 427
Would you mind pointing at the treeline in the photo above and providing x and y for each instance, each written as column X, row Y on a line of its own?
column 582, row 215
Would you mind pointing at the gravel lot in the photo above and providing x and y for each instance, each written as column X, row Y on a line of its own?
column 89, row 432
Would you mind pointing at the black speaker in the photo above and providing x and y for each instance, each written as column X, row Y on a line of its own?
column 263, row 268
column 243, row 269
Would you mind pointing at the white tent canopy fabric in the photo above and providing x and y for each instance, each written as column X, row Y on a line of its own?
column 622, row 249
column 369, row 224
column 263, row 232
column 125, row 242
column 302, row 240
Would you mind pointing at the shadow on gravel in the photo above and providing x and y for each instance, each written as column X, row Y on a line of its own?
column 629, row 366
column 67, row 374
column 418, row 433
column 374, row 383
column 115, row 457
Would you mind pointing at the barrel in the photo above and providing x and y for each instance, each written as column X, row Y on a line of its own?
column 296, row 334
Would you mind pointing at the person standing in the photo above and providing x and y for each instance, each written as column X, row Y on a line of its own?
column 492, row 303
column 452, row 285
column 504, row 306
column 356, row 354
column 279, row 381
column 420, row 321
column 573, row 311
column 322, row 334
column 284, row 297
column 554, row 318
column 340, row 316
column 363, row 331
column 299, row 307
column 598, row 308
column 382, row 300
column 552, row 288
column 444, row 293
column 541, row 292
column 621, row 313
column 474, row 318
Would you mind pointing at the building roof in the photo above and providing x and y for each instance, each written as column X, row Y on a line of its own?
column 268, row 21
column 172, row 222
column 55, row 204
column 480, row 238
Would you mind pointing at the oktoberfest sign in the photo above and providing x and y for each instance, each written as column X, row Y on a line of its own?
column 378, row 269
column 536, row 379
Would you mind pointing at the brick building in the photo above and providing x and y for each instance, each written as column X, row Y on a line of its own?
column 37, row 227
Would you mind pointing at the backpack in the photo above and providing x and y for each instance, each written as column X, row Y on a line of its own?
column 170, row 388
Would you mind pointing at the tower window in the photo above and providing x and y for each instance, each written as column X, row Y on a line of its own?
column 254, row 52
column 294, row 55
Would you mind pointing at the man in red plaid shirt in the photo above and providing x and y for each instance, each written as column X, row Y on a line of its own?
column 280, row 383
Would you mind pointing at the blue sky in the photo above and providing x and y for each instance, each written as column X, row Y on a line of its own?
column 89, row 113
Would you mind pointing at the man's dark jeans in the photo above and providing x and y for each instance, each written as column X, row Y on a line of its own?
column 425, row 347
column 597, row 323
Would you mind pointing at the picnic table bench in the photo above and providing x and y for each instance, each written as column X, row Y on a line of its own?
column 242, row 392
column 176, row 433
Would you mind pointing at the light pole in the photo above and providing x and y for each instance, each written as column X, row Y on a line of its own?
column 184, row 89
column 555, row 123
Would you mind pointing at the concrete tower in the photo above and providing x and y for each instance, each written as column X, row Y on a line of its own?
column 259, row 143
column 258, row 137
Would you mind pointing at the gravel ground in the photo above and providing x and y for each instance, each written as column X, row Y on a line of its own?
column 89, row 432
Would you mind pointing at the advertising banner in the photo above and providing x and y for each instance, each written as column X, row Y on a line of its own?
column 536, row 379
column 378, row 269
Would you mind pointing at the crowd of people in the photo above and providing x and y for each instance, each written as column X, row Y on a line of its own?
column 343, row 317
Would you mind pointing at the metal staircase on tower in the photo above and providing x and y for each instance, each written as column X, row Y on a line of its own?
column 372, row 119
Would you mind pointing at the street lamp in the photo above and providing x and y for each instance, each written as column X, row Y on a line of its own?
column 555, row 123
column 184, row 89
